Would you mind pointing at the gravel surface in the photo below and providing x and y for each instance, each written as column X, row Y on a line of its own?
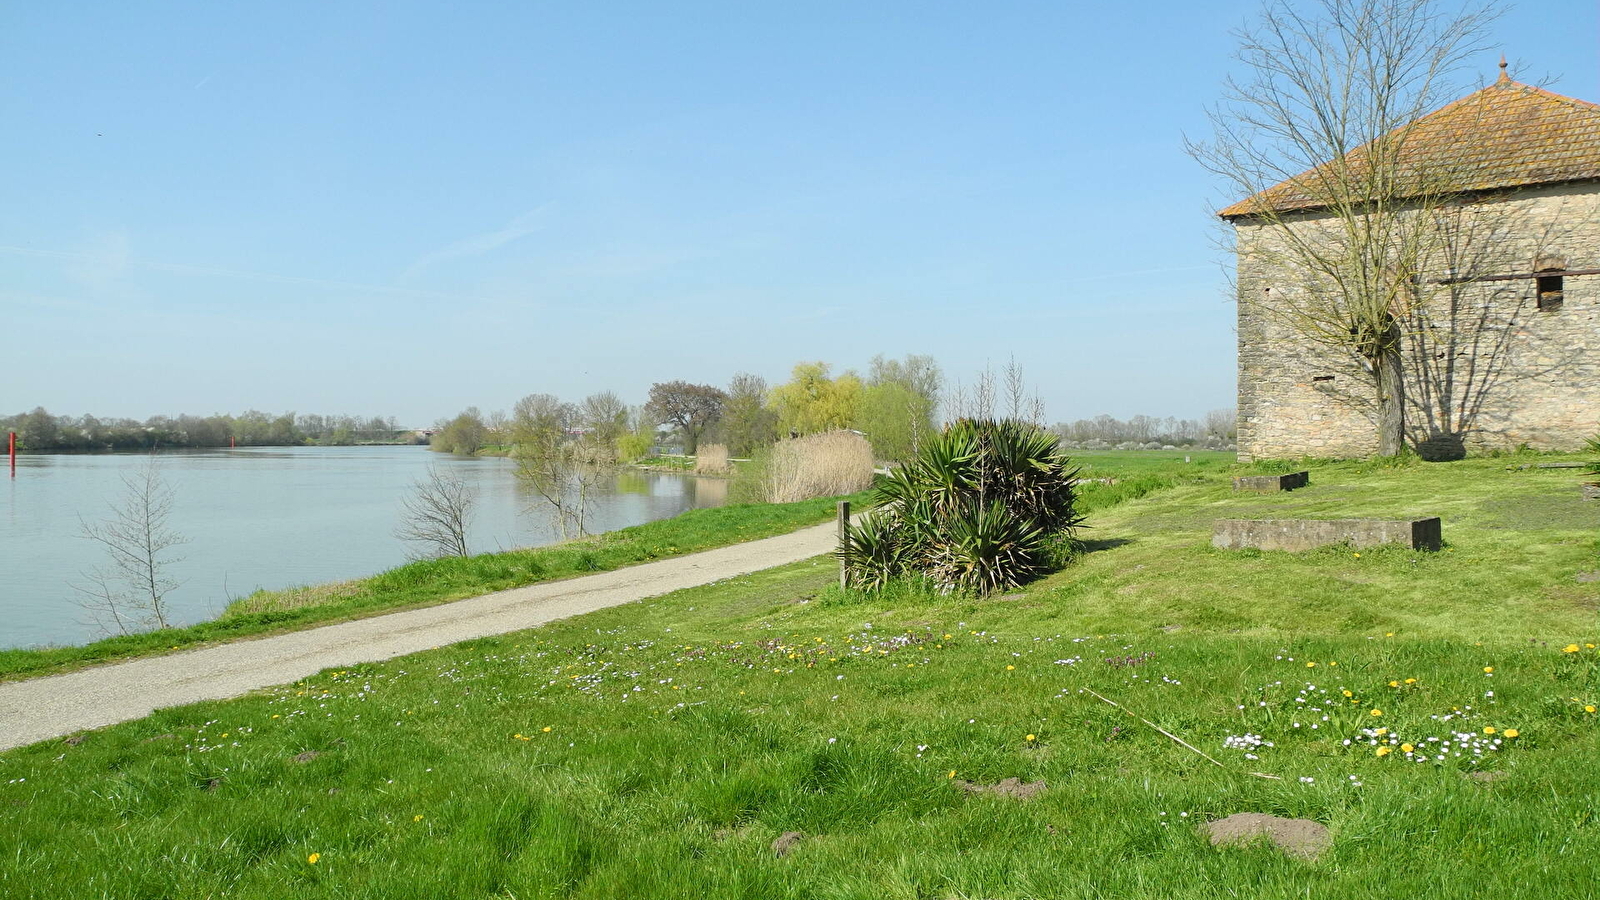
column 42, row 708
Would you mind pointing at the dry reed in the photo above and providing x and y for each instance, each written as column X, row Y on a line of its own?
column 712, row 459
column 818, row 465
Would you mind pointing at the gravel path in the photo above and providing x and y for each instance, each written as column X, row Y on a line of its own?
column 42, row 708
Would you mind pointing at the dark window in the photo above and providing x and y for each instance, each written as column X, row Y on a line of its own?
column 1549, row 291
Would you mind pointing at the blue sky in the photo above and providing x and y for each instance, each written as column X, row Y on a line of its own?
column 404, row 209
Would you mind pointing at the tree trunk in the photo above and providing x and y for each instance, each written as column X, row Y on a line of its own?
column 1391, row 401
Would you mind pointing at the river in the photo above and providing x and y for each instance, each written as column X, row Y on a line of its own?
column 270, row 518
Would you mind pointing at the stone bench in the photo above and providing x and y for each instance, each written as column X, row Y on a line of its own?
column 1306, row 534
column 1270, row 483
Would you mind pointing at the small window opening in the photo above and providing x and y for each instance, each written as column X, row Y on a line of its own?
column 1549, row 289
column 1319, row 378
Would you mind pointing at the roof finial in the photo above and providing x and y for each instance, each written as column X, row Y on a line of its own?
column 1504, row 77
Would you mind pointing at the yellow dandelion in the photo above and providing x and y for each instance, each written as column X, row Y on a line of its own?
column 1377, row 712
column 1388, row 634
column 1031, row 737
column 1358, row 556
column 1311, row 665
column 949, row 636
column 1009, row 668
column 1383, row 751
column 1394, row 684
column 1488, row 669
column 1406, row 748
column 312, row 859
column 548, row 729
column 1590, row 646
column 417, row 818
column 1511, row 732
column 1332, row 663
column 1488, row 729
column 952, row 774
column 1570, row 648
column 1347, row 693
column 1381, row 732
column 1589, row 708
column 1411, row 681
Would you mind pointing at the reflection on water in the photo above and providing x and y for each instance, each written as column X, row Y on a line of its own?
column 272, row 518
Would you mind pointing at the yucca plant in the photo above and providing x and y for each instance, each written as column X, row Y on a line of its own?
column 873, row 551
column 975, row 511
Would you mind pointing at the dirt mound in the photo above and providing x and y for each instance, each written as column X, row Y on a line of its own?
column 1296, row 837
column 786, row 842
column 306, row 756
column 1010, row 787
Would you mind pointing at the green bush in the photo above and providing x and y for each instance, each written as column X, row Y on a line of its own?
column 983, row 507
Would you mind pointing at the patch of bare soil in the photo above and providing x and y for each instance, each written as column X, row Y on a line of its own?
column 786, row 842
column 306, row 756
column 1014, row 788
column 1302, row 838
column 1486, row 777
column 75, row 740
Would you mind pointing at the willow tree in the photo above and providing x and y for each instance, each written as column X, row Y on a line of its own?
column 1323, row 134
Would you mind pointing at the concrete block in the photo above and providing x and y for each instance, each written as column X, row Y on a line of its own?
column 1267, row 484
column 1305, row 534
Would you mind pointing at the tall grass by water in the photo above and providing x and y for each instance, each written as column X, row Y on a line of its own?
column 817, row 465
column 712, row 459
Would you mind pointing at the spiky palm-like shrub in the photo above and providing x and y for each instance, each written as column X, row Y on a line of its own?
column 975, row 511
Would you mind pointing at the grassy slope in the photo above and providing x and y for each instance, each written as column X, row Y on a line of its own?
column 436, row 581
column 656, row 750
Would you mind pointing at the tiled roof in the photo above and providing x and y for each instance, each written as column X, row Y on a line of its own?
column 1506, row 135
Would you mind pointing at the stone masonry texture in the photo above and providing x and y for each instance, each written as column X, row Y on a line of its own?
column 1485, row 367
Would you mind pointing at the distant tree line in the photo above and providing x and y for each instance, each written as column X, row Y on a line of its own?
column 1215, row 429
column 897, row 404
column 38, row 430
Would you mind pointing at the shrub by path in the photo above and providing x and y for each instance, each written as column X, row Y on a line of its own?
column 58, row 705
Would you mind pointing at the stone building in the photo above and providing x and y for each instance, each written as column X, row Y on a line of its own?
column 1501, row 337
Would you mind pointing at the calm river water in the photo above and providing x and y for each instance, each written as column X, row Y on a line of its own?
column 269, row 518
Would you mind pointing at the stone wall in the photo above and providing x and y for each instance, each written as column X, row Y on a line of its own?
column 1486, row 368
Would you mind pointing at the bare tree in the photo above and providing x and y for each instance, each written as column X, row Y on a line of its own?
column 129, row 593
column 604, row 417
column 539, row 424
column 1016, row 388
column 437, row 514
column 1321, row 127
column 566, row 481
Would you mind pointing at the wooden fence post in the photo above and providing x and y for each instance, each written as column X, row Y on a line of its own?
column 844, row 537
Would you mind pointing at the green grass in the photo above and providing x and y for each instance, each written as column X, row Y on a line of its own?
column 436, row 581
column 1100, row 463
column 686, row 733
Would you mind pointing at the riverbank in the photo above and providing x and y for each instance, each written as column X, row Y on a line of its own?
column 427, row 582
column 771, row 736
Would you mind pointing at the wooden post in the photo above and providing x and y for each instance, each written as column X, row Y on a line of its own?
column 844, row 535
column 11, row 451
